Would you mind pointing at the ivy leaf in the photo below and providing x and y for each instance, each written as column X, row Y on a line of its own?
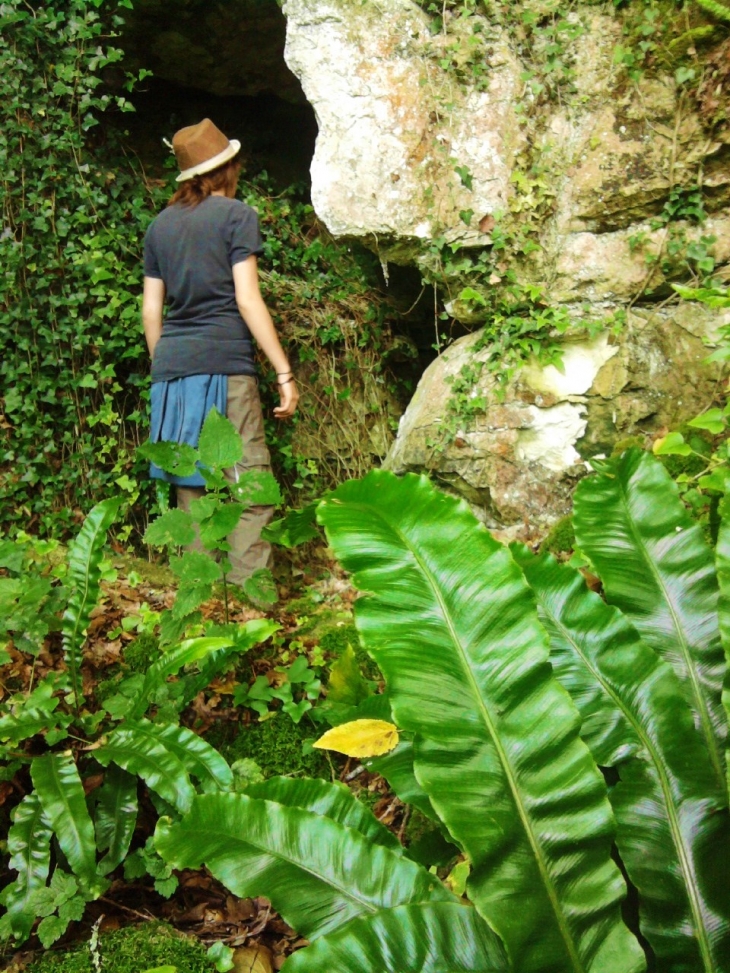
column 220, row 445
column 712, row 421
column 672, row 444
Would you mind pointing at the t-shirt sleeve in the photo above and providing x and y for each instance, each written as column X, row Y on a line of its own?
column 151, row 265
column 245, row 236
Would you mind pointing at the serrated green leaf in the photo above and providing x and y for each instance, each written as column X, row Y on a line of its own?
column 260, row 588
column 50, row 929
column 220, row 445
column 173, row 527
column 256, row 488
column 178, row 459
column 220, row 523
column 194, row 566
column 60, row 791
column 297, row 527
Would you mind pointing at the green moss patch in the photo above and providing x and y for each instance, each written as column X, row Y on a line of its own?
column 131, row 950
column 275, row 745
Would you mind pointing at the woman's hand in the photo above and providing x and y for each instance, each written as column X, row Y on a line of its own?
column 289, row 395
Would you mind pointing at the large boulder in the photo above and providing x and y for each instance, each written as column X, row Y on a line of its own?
column 518, row 460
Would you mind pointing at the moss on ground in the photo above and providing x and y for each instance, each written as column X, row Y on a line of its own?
column 142, row 652
column 131, row 950
column 561, row 537
column 334, row 640
column 275, row 745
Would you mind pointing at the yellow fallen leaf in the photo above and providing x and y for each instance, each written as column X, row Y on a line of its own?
column 361, row 738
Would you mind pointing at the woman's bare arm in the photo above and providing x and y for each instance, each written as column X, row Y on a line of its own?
column 256, row 315
column 153, row 301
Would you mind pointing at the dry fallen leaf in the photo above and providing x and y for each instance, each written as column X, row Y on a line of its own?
column 253, row 959
column 360, row 738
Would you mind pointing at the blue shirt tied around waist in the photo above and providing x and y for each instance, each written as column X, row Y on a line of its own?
column 179, row 408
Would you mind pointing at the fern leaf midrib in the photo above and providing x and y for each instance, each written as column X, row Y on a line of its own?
column 656, row 761
column 708, row 730
column 346, row 891
column 553, row 897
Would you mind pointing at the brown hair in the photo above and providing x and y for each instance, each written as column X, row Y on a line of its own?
column 195, row 190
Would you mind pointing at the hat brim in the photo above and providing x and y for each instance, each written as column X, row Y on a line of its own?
column 233, row 148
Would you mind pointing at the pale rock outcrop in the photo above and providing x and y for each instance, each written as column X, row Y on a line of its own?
column 393, row 126
column 518, row 463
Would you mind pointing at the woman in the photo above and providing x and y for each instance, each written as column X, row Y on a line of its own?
column 200, row 261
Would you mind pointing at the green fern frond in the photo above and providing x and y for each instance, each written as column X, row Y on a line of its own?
column 718, row 10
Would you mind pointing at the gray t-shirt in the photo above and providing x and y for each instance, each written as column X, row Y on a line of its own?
column 192, row 250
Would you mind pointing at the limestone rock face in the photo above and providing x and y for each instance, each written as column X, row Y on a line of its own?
column 385, row 163
column 517, row 464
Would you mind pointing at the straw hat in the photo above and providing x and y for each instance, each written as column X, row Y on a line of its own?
column 201, row 148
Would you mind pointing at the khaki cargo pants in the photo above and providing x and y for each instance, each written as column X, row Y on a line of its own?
column 248, row 552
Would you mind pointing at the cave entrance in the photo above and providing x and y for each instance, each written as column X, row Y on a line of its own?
column 225, row 62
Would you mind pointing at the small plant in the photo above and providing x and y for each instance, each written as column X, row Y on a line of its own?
column 62, row 847
column 212, row 517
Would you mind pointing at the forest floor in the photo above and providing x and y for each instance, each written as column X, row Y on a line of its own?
column 315, row 615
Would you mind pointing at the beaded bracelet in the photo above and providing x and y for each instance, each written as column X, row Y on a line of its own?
column 284, row 373
column 286, row 382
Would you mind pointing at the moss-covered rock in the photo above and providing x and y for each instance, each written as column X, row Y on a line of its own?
column 131, row 950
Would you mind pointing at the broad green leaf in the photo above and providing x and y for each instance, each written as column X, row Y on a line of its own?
column 84, row 577
column 220, row 445
column 60, row 791
column 672, row 444
column 29, row 847
column 397, row 768
column 673, row 833
column 334, row 801
column 439, row 937
column 317, row 873
column 178, row 459
column 172, row 660
column 198, row 757
column 722, row 560
column 297, row 527
column 173, row 527
column 657, row 568
column 138, row 752
column 116, row 817
column 360, row 738
column 452, row 625
column 28, row 723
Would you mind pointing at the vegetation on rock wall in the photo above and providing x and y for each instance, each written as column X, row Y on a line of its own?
column 74, row 368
